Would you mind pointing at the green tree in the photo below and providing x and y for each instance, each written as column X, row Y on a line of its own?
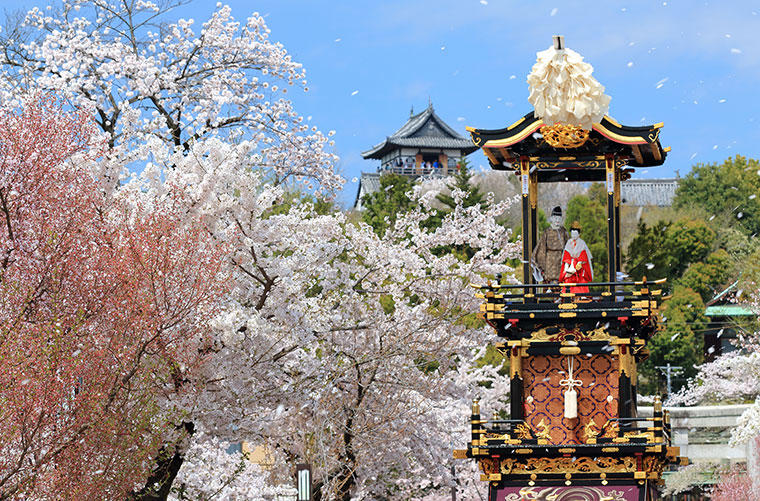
column 647, row 254
column 590, row 211
column 680, row 343
column 704, row 277
column 382, row 206
column 687, row 241
column 728, row 191
column 462, row 180
column 666, row 250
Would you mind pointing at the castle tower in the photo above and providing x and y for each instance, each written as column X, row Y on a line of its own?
column 424, row 146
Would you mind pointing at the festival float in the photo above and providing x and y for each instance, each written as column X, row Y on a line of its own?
column 573, row 344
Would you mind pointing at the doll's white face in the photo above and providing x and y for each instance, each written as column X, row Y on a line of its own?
column 574, row 234
column 555, row 222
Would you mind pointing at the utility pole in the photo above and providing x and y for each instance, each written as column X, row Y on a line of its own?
column 670, row 371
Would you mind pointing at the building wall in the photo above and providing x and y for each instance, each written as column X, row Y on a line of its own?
column 702, row 432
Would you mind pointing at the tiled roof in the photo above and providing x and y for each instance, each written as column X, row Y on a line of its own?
column 423, row 130
column 369, row 183
column 649, row 192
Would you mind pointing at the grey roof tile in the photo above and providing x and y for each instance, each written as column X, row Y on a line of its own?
column 414, row 133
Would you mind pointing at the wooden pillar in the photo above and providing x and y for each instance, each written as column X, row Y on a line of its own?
column 533, row 196
column 418, row 163
column 618, row 194
column 627, row 380
column 526, row 224
column 475, row 428
column 611, row 220
column 443, row 159
column 516, row 408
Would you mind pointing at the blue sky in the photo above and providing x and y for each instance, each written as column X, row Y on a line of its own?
column 693, row 65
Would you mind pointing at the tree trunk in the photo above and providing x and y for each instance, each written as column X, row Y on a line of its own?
column 168, row 461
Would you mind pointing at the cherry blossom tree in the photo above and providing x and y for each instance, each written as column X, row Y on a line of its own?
column 95, row 296
column 145, row 79
column 334, row 346
column 341, row 348
column 733, row 485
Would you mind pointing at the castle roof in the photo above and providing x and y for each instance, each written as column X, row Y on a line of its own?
column 423, row 130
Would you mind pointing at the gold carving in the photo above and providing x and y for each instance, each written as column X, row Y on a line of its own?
column 570, row 465
column 582, row 164
column 489, row 465
column 628, row 366
column 648, row 435
column 591, row 431
column 653, row 464
column 523, row 431
column 599, row 334
column 542, row 434
column 564, row 135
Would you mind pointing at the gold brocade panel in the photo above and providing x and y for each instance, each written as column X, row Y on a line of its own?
column 544, row 396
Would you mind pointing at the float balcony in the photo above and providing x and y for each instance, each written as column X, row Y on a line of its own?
column 517, row 310
column 623, row 450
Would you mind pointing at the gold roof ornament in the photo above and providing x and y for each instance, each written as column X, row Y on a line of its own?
column 564, row 136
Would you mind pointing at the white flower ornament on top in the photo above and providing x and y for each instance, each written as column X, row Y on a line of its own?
column 562, row 89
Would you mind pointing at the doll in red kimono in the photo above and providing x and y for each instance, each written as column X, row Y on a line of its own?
column 576, row 262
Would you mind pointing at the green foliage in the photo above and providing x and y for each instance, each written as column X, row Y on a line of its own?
column 494, row 358
column 704, row 277
column 724, row 190
column 294, row 198
column 666, row 250
column 648, row 254
column 462, row 180
column 387, row 202
column 590, row 211
column 679, row 343
column 388, row 304
column 738, row 245
column 687, row 241
column 426, row 364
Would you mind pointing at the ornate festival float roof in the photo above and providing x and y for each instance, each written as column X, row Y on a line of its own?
column 573, row 348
